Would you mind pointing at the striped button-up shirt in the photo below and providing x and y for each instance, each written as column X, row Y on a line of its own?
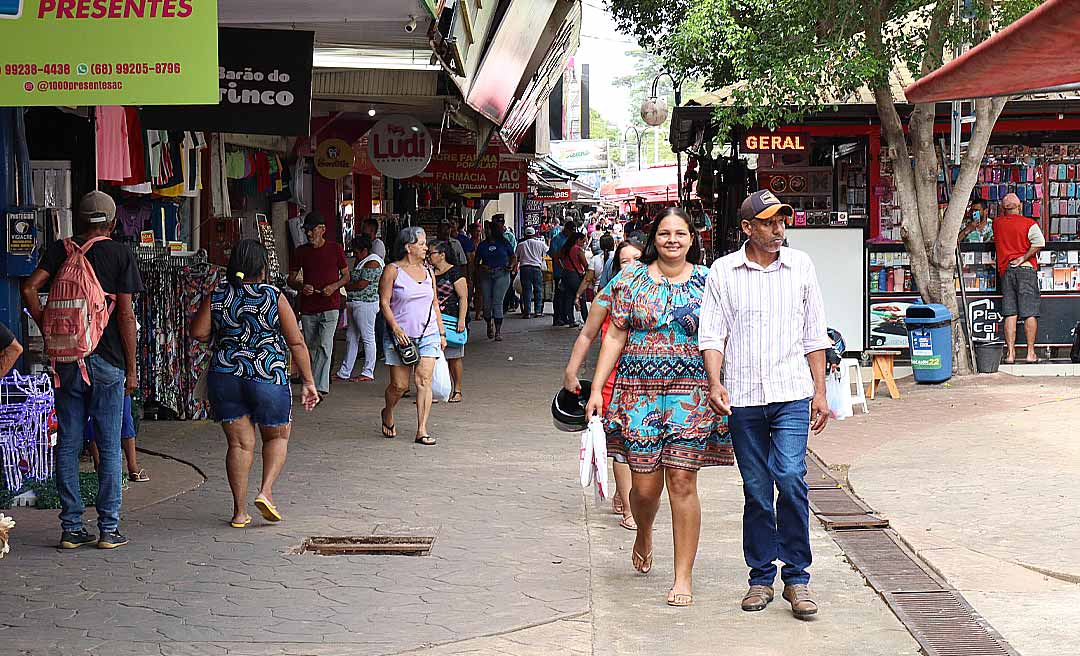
column 765, row 321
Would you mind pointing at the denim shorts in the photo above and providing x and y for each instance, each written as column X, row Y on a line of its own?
column 233, row 397
column 429, row 348
column 127, row 424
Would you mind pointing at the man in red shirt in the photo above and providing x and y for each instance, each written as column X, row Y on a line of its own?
column 318, row 270
column 1018, row 239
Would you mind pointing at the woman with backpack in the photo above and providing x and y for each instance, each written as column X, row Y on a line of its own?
column 251, row 324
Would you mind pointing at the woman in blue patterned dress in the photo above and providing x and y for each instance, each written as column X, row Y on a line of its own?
column 248, row 382
column 660, row 403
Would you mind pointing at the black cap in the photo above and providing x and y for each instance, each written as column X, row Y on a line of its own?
column 313, row 220
column 763, row 205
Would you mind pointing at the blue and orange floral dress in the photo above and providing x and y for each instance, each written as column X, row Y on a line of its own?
column 660, row 404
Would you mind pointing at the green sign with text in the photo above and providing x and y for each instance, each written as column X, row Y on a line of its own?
column 108, row 52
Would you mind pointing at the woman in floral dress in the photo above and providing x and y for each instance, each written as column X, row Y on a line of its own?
column 660, row 403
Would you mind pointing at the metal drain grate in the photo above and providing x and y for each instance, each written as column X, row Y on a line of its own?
column 885, row 563
column 817, row 477
column 369, row 545
column 847, row 522
column 945, row 625
column 836, row 501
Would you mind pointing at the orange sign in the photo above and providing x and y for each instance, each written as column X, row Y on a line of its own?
column 771, row 142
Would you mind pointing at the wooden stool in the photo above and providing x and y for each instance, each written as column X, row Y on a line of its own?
column 883, row 371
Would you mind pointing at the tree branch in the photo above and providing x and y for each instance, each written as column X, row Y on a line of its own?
column 935, row 38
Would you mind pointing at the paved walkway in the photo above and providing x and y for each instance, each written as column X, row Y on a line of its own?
column 524, row 563
column 982, row 478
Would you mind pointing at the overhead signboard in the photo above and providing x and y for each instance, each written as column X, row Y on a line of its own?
column 491, row 173
column 556, row 195
column 581, row 154
column 334, row 159
column 459, row 38
column 108, row 52
column 774, row 142
column 508, row 57
column 399, row 146
column 264, row 87
column 561, row 38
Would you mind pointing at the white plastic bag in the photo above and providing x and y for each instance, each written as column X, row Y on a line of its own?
column 441, row 385
column 838, row 392
column 592, row 464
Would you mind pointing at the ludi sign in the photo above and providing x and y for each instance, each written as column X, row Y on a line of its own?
column 264, row 87
column 399, row 146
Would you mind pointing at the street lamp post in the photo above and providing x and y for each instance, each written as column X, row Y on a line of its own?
column 638, row 134
column 654, row 112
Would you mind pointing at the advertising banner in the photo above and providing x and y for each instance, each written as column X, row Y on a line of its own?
column 534, row 211
column 399, row 147
column 334, row 159
column 557, row 195
column 108, row 52
column 581, row 154
column 491, row 173
column 264, row 87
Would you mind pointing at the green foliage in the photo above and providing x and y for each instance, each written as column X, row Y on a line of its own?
column 47, row 495
column 786, row 57
column 601, row 128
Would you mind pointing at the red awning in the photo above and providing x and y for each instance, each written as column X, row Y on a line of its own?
column 655, row 180
column 1036, row 53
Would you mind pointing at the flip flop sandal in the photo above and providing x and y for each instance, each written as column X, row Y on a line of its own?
column 617, row 506
column 642, row 564
column 388, row 430
column 680, row 600
column 455, row 398
column 139, row 476
column 243, row 524
column 628, row 523
column 426, row 440
column 269, row 512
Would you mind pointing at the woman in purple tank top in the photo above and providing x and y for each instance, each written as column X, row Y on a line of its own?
column 408, row 302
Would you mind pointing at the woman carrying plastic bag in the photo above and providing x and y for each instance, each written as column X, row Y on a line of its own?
column 441, row 385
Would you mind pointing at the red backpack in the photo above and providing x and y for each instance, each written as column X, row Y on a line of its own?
column 78, row 309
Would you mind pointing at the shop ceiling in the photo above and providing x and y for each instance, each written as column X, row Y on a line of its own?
column 369, row 23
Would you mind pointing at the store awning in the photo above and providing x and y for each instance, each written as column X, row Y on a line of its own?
column 1036, row 53
column 655, row 180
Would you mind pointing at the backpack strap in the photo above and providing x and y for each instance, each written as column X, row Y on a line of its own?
column 70, row 246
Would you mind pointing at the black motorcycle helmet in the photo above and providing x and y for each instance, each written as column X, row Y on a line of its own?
column 568, row 409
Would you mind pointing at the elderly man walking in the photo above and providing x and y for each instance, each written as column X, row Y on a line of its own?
column 763, row 323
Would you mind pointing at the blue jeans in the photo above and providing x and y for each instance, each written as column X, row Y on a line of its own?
column 493, row 286
column 770, row 447
column 532, row 289
column 102, row 401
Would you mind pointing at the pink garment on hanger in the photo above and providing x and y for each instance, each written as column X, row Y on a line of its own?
column 113, row 156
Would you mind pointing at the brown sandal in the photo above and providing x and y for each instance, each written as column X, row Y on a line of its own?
column 642, row 564
column 455, row 397
column 679, row 600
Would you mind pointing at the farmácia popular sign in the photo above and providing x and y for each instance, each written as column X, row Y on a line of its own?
column 108, row 52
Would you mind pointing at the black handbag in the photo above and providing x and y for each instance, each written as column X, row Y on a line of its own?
column 410, row 353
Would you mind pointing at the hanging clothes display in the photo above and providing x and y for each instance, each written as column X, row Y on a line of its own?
column 113, row 155
column 171, row 360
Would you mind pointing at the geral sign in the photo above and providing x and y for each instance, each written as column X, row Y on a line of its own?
column 771, row 142
column 399, row 146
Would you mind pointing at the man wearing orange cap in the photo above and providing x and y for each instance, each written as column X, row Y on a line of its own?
column 1018, row 239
